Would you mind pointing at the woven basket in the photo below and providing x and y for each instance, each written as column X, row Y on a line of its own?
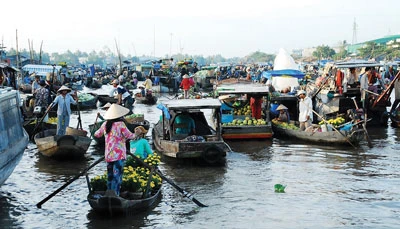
column 134, row 120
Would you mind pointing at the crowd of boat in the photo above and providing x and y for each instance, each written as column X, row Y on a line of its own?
column 244, row 103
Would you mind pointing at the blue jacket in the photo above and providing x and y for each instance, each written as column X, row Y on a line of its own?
column 62, row 103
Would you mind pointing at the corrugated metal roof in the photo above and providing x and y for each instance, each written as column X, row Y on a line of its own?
column 181, row 104
column 356, row 64
column 253, row 88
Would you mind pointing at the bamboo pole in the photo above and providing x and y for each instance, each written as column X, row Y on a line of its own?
column 40, row 53
column 17, row 52
column 119, row 56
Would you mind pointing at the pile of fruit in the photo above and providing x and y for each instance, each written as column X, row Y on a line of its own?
column 285, row 125
column 52, row 120
column 83, row 97
column 334, row 122
column 245, row 110
column 246, row 122
column 134, row 116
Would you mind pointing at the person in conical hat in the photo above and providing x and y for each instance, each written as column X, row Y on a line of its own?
column 115, row 133
column 281, row 107
column 283, row 113
column 140, row 146
column 64, row 101
column 105, row 107
column 64, row 88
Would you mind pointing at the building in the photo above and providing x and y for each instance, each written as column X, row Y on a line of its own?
column 393, row 41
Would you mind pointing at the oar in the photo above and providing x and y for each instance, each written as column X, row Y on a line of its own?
column 364, row 124
column 79, row 116
column 94, row 125
column 41, row 119
column 39, row 205
column 181, row 190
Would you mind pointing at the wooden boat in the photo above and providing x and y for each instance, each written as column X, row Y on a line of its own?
column 206, row 146
column 89, row 101
column 131, row 126
column 103, row 99
column 354, row 136
column 333, row 101
column 232, row 125
column 108, row 202
column 65, row 146
column 13, row 137
column 25, row 88
column 30, row 128
column 148, row 100
column 96, row 83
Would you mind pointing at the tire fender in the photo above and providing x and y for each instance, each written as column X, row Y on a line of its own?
column 212, row 155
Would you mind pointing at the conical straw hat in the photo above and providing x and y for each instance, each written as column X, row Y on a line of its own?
column 106, row 106
column 281, row 107
column 115, row 111
column 64, row 88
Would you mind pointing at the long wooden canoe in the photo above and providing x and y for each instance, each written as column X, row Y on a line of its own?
column 109, row 202
column 329, row 137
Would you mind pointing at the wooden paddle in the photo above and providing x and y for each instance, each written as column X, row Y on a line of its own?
column 39, row 205
column 181, row 190
column 94, row 125
column 364, row 125
column 79, row 115
column 41, row 120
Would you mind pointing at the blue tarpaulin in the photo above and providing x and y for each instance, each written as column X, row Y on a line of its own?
column 287, row 72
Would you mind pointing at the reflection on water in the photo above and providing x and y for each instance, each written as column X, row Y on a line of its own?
column 326, row 187
column 6, row 219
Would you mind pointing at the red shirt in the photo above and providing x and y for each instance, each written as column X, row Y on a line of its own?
column 186, row 84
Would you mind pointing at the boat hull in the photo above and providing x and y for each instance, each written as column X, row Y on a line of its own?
column 247, row 132
column 10, row 157
column 103, row 99
column 108, row 202
column 13, row 137
column 329, row 137
column 211, row 151
column 67, row 146
column 30, row 128
column 145, row 100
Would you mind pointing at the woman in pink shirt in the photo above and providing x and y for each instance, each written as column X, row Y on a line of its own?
column 116, row 133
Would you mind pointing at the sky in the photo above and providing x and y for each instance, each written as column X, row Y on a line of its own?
column 208, row 27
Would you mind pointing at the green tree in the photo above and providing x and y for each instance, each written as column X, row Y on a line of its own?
column 259, row 57
column 371, row 50
column 323, row 52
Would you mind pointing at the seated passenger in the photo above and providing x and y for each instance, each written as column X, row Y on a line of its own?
column 185, row 124
column 283, row 113
column 139, row 146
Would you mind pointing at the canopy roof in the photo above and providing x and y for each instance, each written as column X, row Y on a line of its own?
column 357, row 64
column 286, row 72
column 184, row 104
column 243, row 89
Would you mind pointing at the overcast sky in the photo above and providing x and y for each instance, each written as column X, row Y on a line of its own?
column 202, row 27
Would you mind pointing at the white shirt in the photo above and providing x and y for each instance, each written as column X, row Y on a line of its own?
column 363, row 84
column 305, row 109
